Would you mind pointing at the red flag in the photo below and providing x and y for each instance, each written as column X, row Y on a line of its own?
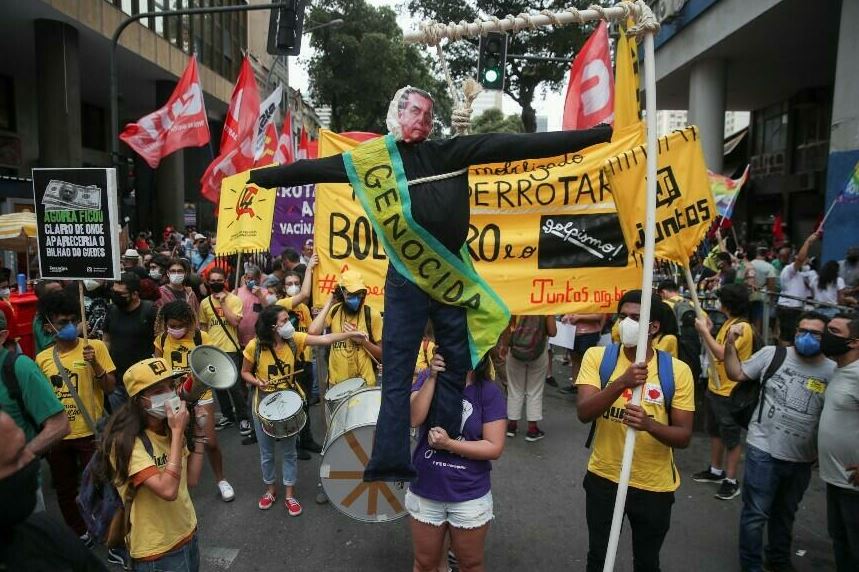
column 285, row 153
column 180, row 123
column 237, row 140
column 590, row 93
column 777, row 231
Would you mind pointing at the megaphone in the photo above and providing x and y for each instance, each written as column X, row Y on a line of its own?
column 210, row 367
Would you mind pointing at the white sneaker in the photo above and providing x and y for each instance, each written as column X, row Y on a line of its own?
column 227, row 492
column 245, row 428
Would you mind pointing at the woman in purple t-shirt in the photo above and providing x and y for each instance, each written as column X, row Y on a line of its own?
column 452, row 490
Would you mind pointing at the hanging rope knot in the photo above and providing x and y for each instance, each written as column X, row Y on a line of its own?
column 432, row 31
column 599, row 10
column 553, row 17
column 461, row 116
column 646, row 23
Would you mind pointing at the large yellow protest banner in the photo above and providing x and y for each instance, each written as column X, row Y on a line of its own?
column 685, row 208
column 245, row 217
column 544, row 233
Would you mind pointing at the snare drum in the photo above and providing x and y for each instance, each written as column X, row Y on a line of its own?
column 348, row 445
column 337, row 393
column 281, row 414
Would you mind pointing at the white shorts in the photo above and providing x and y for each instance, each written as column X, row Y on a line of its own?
column 466, row 514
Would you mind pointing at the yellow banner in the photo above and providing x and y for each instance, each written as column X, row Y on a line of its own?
column 685, row 208
column 544, row 233
column 245, row 216
column 627, row 104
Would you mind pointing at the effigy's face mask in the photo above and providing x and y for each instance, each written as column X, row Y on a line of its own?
column 410, row 116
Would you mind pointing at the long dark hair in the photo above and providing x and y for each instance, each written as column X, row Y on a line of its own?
column 265, row 325
column 117, row 442
column 828, row 275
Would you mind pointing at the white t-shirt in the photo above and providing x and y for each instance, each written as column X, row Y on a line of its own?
column 794, row 283
column 830, row 293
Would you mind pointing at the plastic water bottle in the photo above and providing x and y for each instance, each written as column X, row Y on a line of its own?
column 22, row 283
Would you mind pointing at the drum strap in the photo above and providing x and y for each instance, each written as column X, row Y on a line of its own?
column 281, row 367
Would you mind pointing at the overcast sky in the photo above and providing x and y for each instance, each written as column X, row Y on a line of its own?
column 552, row 106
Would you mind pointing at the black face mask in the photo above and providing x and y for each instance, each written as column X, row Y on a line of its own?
column 216, row 287
column 18, row 494
column 834, row 346
column 119, row 300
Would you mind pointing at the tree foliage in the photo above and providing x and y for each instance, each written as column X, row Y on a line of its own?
column 359, row 65
column 493, row 121
column 524, row 77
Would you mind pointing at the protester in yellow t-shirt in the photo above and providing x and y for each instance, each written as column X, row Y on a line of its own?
column 723, row 428
column 176, row 335
column 346, row 310
column 654, row 477
column 146, row 445
column 269, row 365
column 88, row 370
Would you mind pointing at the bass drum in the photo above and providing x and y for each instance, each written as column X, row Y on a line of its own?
column 347, row 449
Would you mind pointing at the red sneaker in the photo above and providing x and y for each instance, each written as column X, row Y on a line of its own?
column 266, row 501
column 292, row 506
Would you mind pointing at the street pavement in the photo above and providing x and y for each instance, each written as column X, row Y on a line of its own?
column 539, row 514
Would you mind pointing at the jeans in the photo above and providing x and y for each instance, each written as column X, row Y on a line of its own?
column 233, row 401
column 842, row 516
column 289, row 468
column 407, row 309
column 772, row 491
column 184, row 559
column 67, row 460
column 649, row 514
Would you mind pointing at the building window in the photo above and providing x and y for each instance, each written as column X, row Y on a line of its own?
column 7, row 104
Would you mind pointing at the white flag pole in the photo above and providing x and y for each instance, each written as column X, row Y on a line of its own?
column 646, row 293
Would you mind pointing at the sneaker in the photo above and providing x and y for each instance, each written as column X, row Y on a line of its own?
column 116, row 556
column 303, row 455
column 245, row 427
column 569, row 390
column 708, row 476
column 266, row 501
column 728, row 490
column 250, row 439
column 222, row 423
column 511, row 428
column 550, row 380
column 88, row 540
column 227, row 492
column 534, row 435
column 292, row 506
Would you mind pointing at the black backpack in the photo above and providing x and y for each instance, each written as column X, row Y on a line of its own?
column 688, row 340
column 747, row 395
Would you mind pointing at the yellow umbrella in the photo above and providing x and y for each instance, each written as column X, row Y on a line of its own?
column 16, row 230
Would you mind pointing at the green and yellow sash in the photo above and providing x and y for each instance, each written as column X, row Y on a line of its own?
column 376, row 172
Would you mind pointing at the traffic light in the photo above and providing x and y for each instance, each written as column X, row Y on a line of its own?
column 493, row 56
column 285, row 26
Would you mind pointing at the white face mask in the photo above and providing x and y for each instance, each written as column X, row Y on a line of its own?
column 271, row 299
column 629, row 332
column 177, row 278
column 292, row 290
column 155, row 274
column 156, row 409
column 91, row 285
column 286, row 331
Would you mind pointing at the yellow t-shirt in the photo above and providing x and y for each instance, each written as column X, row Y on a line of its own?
column 267, row 369
column 653, row 466
column 208, row 319
column 304, row 320
column 666, row 343
column 348, row 358
column 157, row 525
column 425, row 354
column 176, row 353
column 81, row 375
column 744, row 346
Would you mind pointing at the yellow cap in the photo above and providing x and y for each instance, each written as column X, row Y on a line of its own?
column 145, row 374
column 352, row 281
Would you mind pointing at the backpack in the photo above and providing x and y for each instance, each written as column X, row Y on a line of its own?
column 664, row 369
column 528, row 341
column 688, row 340
column 106, row 514
column 10, row 379
column 746, row 395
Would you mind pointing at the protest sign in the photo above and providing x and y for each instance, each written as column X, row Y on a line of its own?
column 293, row 218
column 77, row 220
column 245, row 218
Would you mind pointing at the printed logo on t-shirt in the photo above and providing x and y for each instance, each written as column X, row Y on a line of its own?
column 653, row 394
column 467, row 410
column 815, row 385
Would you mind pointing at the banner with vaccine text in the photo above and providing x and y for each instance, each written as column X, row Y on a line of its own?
column 245, row 218
column 685, row 208
column 544, row 233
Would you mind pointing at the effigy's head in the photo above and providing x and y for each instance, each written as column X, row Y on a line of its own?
column 410, row 115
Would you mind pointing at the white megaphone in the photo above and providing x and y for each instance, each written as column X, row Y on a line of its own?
column 210, row 367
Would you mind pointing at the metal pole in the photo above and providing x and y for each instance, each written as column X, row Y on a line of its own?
column 766, row 325
column 114, row 73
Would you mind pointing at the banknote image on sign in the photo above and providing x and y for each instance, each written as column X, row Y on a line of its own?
column 581, row 241
column 62, row 195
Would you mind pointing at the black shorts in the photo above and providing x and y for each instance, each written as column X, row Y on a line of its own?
column 585, row 342
column 720, row 422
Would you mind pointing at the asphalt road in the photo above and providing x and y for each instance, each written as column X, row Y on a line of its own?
column 539, row 509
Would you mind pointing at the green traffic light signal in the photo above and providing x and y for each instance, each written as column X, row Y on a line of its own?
column 493, row 54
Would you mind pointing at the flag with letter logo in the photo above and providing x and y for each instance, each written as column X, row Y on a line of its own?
column 265, row 143
column 627, row 102
column 590, row 93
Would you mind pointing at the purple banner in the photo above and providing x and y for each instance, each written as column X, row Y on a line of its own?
column 293, row 218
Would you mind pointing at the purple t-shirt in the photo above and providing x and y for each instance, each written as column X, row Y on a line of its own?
column 445, row 476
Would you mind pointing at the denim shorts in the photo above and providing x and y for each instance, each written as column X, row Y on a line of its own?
column 466, row 514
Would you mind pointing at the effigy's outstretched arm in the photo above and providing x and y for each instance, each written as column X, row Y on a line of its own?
column 302, row 172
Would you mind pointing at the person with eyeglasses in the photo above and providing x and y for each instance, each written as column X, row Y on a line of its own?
column 781, row 443
column 87, row 376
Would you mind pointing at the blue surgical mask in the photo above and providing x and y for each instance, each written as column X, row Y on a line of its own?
column 806, row 345
column 353, row 302
column 67, row 333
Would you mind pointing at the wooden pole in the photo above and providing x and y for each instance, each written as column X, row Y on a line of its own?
column 84, row 324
